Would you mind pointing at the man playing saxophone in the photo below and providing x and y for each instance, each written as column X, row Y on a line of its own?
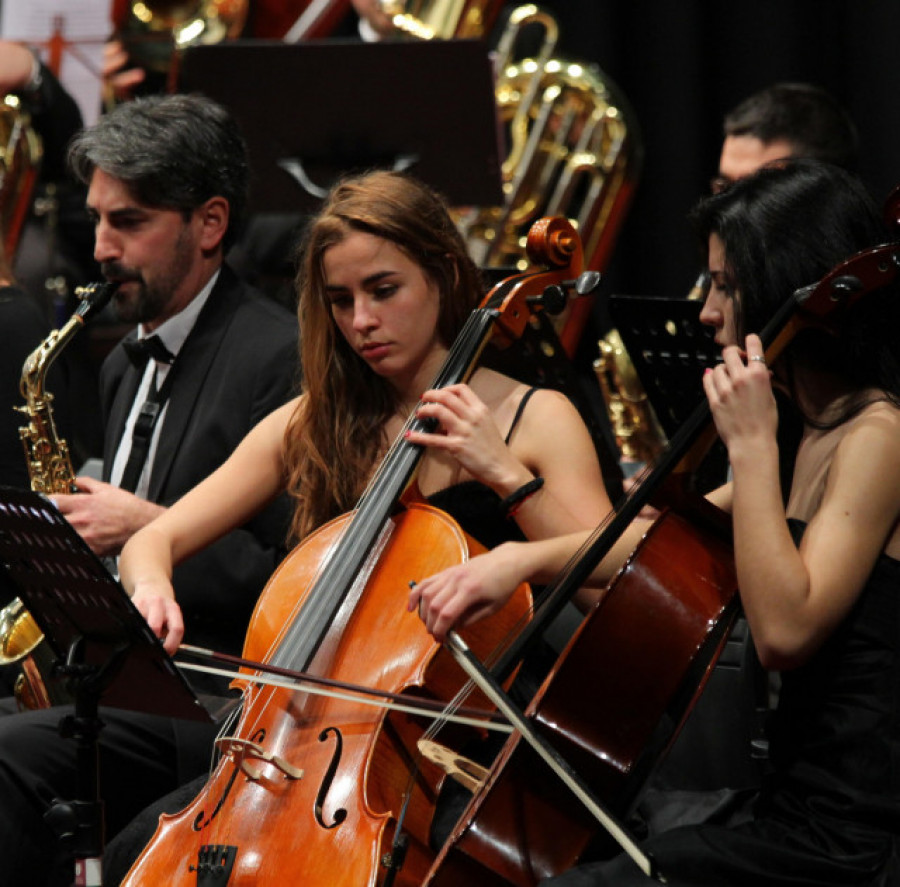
column 162, row 220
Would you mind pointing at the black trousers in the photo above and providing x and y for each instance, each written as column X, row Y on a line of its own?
column 756, row 853
column 141, row 758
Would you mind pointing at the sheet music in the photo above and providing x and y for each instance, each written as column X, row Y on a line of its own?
column 84, row 26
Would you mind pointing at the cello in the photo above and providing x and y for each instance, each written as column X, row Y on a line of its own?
column 644, row 652
column 320, row 790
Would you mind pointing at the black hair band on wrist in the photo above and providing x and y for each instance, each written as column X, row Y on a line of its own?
column 514, row 501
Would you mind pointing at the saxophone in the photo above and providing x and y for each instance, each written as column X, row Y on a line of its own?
column 49, row 471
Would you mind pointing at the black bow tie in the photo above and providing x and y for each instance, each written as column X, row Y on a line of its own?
column 139, row 351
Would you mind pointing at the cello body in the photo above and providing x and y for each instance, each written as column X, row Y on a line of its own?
column 334, row 824
column 612, row 705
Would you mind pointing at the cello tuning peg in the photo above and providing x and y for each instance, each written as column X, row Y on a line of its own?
column 845, row 285
column 584, row 284
column 587, row 282
column 552, row 299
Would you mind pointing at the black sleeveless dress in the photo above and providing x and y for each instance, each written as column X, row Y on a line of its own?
column 829, row 816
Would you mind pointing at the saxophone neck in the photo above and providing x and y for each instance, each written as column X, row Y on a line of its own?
column 34, row 370
column 94, row 299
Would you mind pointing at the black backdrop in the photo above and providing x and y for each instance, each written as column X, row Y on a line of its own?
column 683, row 63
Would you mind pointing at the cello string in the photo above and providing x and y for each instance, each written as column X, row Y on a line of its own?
column 228, row 723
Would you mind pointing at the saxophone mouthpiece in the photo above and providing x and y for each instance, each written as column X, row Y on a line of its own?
column 94, row 298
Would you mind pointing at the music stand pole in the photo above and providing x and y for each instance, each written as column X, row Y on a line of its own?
column 79, row 822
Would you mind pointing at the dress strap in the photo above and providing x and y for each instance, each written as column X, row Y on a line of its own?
column 519, row 410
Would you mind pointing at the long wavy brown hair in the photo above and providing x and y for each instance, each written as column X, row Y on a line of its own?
column 334, row 438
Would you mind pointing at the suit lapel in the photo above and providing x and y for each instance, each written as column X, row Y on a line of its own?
column 192, row 366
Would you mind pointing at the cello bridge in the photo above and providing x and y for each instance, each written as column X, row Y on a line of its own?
column 242, row 752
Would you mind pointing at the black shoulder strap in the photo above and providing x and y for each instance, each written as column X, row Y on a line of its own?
column 519, row 410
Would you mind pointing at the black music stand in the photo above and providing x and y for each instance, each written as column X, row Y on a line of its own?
column 669, row 348
column 312, row 112
column 105, row 650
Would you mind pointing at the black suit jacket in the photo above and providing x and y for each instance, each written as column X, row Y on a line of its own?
column 237, row 365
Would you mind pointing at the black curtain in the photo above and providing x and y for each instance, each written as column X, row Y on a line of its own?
column 682, row 64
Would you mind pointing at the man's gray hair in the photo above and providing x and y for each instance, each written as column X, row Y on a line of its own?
column 172, row 152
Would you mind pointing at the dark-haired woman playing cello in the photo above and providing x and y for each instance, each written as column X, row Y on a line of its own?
column 819, row 576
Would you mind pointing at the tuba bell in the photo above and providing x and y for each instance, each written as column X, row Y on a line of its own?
column 574, row 151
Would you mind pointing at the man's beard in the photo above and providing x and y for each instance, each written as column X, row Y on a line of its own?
column 136, row 305
column 148, row 301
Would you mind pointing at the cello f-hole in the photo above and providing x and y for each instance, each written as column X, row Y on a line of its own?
column 341, row 814
column 199, row 822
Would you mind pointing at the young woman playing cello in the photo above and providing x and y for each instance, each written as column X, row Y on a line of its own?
column 385, row 285
column 818, row 568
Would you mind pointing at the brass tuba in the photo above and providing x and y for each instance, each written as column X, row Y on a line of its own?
column 574, row 148
column 49, row 471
